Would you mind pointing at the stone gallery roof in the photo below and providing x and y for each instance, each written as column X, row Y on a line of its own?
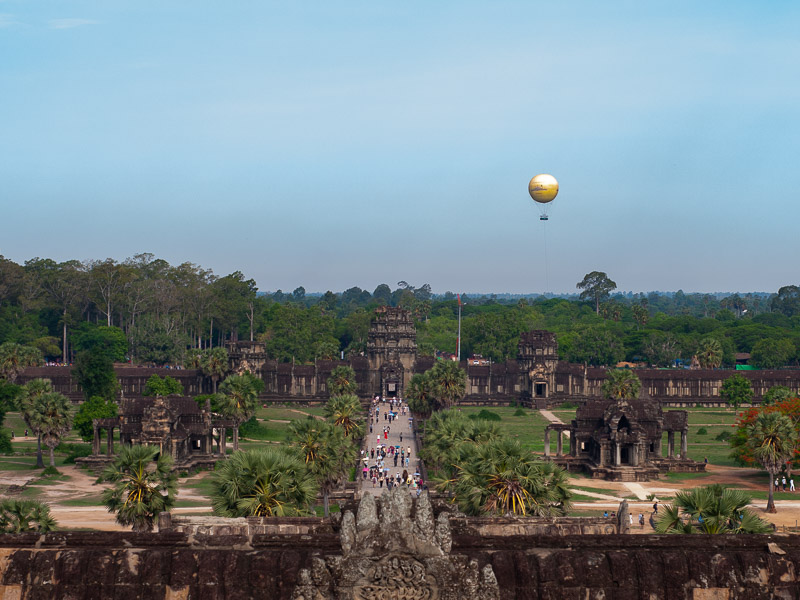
column 676, row 420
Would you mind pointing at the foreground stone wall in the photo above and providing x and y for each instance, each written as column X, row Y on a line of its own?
column 84, row 565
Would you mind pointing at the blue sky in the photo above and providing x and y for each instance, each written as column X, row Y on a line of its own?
column 332, row 144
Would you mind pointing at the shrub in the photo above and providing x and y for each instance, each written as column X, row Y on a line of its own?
column 724, row 436
column 486, row 415
column 702, row 431
column 252, row 429
column 74, row 451
column 95, row 407
column 520, row 412
column 568, row 405
column 5, row 441
column 50, row 471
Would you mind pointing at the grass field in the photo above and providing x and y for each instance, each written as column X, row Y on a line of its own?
column 528, row 429
column 583, row 488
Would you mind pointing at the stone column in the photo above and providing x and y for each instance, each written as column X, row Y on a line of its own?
column 658, row 449
column 603, row 454
column 96, row 440
column 560, row 443
column 547, row 442
column 635, row 455
column 110, row 441
column 671, row 444
column 685, row 444
column 617, row 454
column 573, row 444
column 223, row 440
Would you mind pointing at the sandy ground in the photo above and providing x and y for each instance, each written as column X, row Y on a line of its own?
column 81, row 485
column 788, row 514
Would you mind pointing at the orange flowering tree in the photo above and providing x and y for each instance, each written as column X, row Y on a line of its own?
column 742, row 452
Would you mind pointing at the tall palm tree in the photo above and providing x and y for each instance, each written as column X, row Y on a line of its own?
column 215, row 365
column 144, row 486
column 55, row 419
column 29, row 398
column 238, row 400
column 501, row 478
column 342, row 381
column 709, row 353
column 17, row 516
column 15, row 358
column 447, row 431
column 262, row 483
column 710, row 509
column 194, row 359
column 773, row 440
column 346, row 412
column 325, row 450
column 449, row 382
column 420, row 394
column 621, row 384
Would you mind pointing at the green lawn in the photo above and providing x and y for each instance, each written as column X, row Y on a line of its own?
column 93, row 500
column 763, row 495
column 684, row 476
column 566, row 415
column 286, row 413
column 704, row 446
column 582, row 498
column 16, row 462
column 15, row 423
column 528, row 429
column 583, row 488
column 199, row 485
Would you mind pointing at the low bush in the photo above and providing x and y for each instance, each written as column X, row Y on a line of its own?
column 74, row 451
column 486, row 415
column 702, row 431
column 252, row 429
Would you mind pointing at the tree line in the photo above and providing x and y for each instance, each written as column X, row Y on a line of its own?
column 151, row 312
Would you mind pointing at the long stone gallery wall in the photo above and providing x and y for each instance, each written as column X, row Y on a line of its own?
column 174, row 566
column 394, row 548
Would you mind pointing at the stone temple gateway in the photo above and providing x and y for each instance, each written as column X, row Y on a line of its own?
column 622, row 440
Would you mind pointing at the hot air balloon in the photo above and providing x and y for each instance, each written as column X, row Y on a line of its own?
column 543, row 189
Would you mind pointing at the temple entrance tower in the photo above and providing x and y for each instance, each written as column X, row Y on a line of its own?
column 538, row 356
column 392, row 350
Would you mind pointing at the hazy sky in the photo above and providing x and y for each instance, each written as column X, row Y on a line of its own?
column 340, row 143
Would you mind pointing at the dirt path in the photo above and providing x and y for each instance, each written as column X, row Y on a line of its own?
column 300, row 412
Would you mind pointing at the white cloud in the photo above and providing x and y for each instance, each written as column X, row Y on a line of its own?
column 70, row 23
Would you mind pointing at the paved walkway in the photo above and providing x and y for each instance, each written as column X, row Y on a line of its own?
column 398, row 428
column 553, row 419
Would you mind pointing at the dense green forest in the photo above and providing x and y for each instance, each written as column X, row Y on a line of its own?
column 153, row 313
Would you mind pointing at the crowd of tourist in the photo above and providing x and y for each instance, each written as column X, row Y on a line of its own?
column 389, row 463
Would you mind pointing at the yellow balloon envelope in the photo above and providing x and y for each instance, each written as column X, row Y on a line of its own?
column 543, row 188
